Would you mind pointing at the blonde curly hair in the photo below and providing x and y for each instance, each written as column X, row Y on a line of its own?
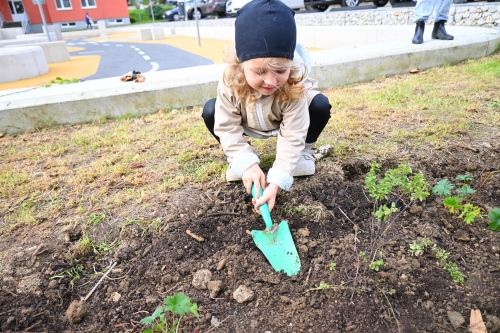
column 234, row 78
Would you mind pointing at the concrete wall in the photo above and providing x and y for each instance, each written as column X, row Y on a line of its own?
column 54, row 51
column 22, row 63
column 10, row 33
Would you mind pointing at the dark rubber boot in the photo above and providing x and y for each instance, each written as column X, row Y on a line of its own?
column 419, row 33
column 439, row 32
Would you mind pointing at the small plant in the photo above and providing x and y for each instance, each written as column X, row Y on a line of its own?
column 375, row 265
column 440, row 254
column 362, row 257
column 414, row 186
column 74, row 274
column 333, row 266
column 59, row 80
column 179, row 304
column 418, row 249
column 494, row 216
column 454, row 203
column 95, row 219
column 322, row 286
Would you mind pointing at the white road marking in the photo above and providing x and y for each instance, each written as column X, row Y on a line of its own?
column 119, row 45
column 137, row 49
column 154, row 66
column 132, row 46
column 105, row 44
column 70, row 44
column 146, row 57
column 141, row 52
column 81, row 43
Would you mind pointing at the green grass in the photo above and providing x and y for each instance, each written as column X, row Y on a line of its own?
column 141, row 16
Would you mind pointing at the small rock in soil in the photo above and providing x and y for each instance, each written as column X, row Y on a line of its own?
column 493, row 323
column 456, row 319
column 214, row 287
column 221, row 264
column 243, row 294
column 461, row 235
column 115, row 297
column 416, row 210
column 201, row 278
column 304, row 232
column 302, row 248
column 495, row 249
column 76, row 311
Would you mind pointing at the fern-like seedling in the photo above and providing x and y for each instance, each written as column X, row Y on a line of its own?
column 494, row 216
column 454, row 204
column 443, row 187
column 465, row 190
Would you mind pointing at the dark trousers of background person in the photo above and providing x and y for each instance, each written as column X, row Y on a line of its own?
column 319, row 114
column 89, row 25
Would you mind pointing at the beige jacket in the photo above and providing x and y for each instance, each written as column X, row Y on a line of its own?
column 268, row 117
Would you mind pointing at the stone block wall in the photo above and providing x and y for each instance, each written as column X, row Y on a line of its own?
column 482, row 14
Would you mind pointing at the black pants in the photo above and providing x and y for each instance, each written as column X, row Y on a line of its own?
column 319, row 114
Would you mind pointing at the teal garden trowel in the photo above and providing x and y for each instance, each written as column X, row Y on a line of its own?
column 276, row 243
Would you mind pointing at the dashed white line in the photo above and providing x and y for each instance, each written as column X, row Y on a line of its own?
column 132, row 46
column 81, row 43
column 141, row 52
column 119, row 45
column 137, row 49
column 146, row 57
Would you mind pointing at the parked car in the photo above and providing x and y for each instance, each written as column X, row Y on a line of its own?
column 202, row 9
column 172, row 14
column 322, row 5
column 218, row 6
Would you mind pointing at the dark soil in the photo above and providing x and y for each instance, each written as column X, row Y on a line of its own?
column 408, row 293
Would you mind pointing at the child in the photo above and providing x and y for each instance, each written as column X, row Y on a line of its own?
column 264, row 92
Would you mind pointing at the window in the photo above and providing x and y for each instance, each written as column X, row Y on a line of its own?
column 63, row 4
column 68, row 25
column 116, row 21
column 88, row 3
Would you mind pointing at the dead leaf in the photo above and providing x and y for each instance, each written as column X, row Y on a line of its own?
column 476, row 322
column 136, row 165
column 414, row 71
column 160, row 111
column 215, row 322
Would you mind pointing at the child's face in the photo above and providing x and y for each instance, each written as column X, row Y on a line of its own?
column 266, row 80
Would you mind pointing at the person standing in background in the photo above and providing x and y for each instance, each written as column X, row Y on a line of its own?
column 423, row 10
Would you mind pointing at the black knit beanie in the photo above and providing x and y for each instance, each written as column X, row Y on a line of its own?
column 265, row 29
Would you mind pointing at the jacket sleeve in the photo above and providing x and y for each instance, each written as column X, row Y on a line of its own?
column 291, row 142
column 228, row 127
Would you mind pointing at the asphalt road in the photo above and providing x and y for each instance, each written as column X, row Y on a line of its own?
column 120, row 58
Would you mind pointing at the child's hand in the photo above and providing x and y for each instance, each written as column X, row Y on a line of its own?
column 254, row 175
column 268, row 196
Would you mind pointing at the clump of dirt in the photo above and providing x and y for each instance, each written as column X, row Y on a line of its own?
column 336, row 290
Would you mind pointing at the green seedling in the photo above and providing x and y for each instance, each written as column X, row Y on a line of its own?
column 322, row 286
column 413, row 186
column 359, row 290
column 417, row 249
column 375, row 265
column 466, row 179
column 468, row 212
column 74, row 274
column 440, row 254
column 443, row 187
column 59, row 80
column 179, row 304
column 333, row 266
column 384, row 212
column 494, row 216
column 362, row 257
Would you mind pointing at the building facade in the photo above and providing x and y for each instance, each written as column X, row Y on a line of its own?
column 69, row 14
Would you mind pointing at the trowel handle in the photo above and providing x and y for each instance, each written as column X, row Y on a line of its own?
column 264, row 209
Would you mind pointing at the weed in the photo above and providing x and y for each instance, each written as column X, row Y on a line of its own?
column 362, row 256
column 95, row 219
column 414, row 186
column 375, row 265
column 179, row 304
column 316, row 212
column 59, row 80
column 494, row 216
column 418, row 248
column 454, row 203
column 322, row 286
column 74, row 274
column 333, row 266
